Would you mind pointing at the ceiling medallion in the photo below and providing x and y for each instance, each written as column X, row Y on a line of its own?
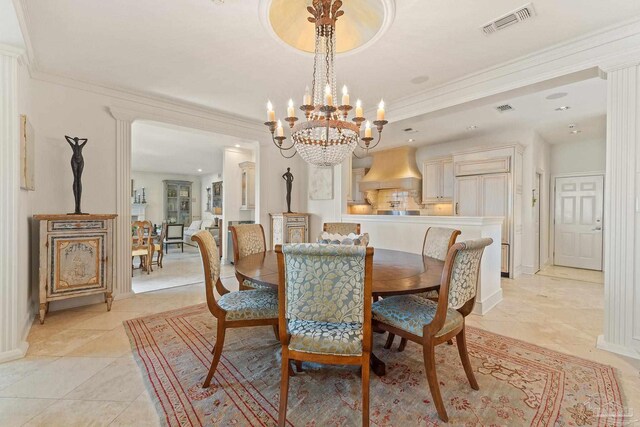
column 326, row 138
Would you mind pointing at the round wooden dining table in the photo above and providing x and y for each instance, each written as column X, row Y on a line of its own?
column 394, row 273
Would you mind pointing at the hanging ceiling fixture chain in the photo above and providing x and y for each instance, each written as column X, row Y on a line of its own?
column 327, row 137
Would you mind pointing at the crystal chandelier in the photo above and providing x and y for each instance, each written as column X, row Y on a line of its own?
column 327, row 136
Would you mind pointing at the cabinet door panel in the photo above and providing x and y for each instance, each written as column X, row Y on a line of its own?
column 468, row 196
column 431, row 182
column 447, row 180
column 495, row 200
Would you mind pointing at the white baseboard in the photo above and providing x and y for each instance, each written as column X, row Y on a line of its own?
column 622, row 350
column 16, row 353
column 528, row 269
column 483, row 307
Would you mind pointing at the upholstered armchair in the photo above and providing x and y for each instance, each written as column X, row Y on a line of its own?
column 341, row 227
column 324, row 299
column 233, row 309
column 429, row 322
column 248, row 239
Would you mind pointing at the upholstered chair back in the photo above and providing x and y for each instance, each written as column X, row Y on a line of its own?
column 341, row 239
column 437, row 241
column 343, row 228
column 175, row 231
column 324, row 283
column 248, row 240
column 465, row 269
column 210, row 262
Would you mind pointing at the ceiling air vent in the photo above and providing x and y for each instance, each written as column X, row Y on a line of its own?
column 521, row 14
column 504, row 107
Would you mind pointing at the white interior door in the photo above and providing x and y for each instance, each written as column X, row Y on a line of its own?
column 578, row 222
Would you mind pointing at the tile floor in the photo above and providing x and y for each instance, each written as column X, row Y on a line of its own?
column 179, row 269
column 79, row 369
column 572, row 273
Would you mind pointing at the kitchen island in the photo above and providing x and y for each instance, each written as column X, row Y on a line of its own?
column 406, row 233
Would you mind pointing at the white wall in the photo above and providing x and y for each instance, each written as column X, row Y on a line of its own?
column 578, row 157
column 154, row 190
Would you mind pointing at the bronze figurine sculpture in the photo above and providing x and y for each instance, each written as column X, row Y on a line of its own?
column 288, row 177
column 77, row 165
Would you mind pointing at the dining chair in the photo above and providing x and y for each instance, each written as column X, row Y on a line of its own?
column 437, row 242
column 326, row 238
column 174, row 236
column 239, row 309
column 429, row 322
column 248, row 239
column 324, row 299
column 142, row 245
column 158, row 247
column 341, row 228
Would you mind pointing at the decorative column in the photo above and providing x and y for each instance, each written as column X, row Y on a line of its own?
column 122, row 272
column 622, row 213
column 11, row 344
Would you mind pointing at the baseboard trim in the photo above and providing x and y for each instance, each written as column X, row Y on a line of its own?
column 622, row 350
column 16, row 353
column 483, row 307
column 125, row 295
column 528, row 269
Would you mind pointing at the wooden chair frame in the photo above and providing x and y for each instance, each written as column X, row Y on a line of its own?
column 219, row 313
column 159, row 247
column 142, row 241
column 236, row 254
column 429, row 340
column 291, row 355
column 326, row 224
column 174, row 240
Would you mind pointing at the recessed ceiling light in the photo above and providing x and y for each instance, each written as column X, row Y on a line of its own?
column 419, row 80
column 575, row 132
column 410, row 140
column 472, row 127
column 199, row 170
column 572, row 126
column 237, row 145
column 563, row 108
column 557, row 95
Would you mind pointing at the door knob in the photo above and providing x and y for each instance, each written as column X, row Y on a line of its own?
column 596, row 229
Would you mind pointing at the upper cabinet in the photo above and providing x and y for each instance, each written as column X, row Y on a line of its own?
column 177, row 202
column 437, row 180
column 356, row 196
column 248, row 193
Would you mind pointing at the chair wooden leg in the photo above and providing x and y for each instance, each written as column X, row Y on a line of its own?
column 365, row 390
column 276, row 333
column 389, row 342
column 284, row 392
column 217, row 351
column 450, row 342
column 299, row 365
column 461, row 340
column 428, row 351
column 403, row 344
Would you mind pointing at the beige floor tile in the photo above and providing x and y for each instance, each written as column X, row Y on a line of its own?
column 107, row 321
column 16, row 412
column 120, row 381
column 61, row 342
column 56, row 379
column 114, row 343
column 78, row 413
column 15, row 371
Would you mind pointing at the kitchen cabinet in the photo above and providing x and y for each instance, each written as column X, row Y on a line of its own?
column 248, row 195
column 437, row 181
column 357, row 197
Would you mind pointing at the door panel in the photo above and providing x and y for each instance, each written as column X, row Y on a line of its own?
column 495, row 200
column 431, row 181
column 578, row 222
column 447, row 180
column 468, row 196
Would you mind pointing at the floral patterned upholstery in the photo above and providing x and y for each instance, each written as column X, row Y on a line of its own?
column 326, row 238
column 250, row 239
column 249, row 305
column 326, row 338
column 436, row 243
column 255, row 285
column 324, row 297
column 464, row 275
column 411, row 312
column 212, row 250
column 342, row 227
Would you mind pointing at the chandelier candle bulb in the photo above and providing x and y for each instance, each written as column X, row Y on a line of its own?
column 345, row 95
column 328, row 97
column 359, row 112
column 279, row 129
column 306, row 100
column 367, row 130
column 380, row 115
column 271, row 115
column 290, row 111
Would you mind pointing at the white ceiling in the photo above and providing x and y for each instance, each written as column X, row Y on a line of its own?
column 221, row 56
column 9, row 28
column 587, row 99
column 158, row 147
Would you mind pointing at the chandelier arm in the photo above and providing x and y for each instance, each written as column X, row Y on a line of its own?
column 287, row 157
column 374, row 145
column 281, row 148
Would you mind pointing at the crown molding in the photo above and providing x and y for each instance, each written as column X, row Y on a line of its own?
column 22, row 13
column 12, row 51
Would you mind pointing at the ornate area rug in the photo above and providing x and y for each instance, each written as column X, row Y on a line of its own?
column 520, row 383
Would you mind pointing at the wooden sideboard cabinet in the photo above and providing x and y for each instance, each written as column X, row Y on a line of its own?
column 289, row 228
column 75, row 257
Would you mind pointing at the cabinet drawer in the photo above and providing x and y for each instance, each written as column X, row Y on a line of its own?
column 76, row 263
column 481, row 167
column 63, row 225
column 296, row 219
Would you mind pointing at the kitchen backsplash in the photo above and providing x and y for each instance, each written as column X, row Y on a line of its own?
column 396, row 200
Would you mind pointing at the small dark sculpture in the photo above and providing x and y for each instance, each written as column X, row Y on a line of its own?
column 77, row 165
column 288, row 177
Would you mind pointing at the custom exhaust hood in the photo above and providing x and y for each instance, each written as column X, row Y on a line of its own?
column 395, row 168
